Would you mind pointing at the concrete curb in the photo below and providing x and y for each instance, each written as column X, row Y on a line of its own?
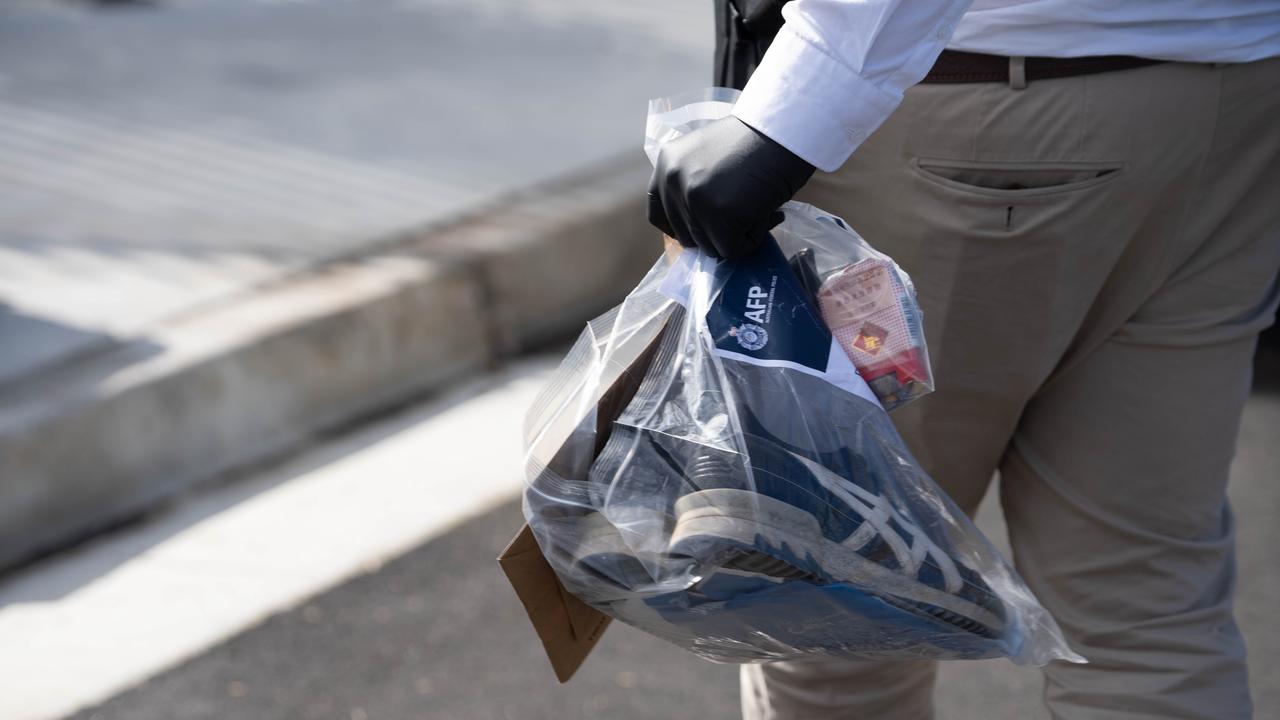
column 93, row 443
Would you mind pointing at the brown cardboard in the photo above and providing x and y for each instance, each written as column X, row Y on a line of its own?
column 568, row 627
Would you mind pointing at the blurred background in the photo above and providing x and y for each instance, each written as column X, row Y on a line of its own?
column 277, row 280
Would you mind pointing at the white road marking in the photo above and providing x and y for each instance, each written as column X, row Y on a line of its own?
column 78, row 629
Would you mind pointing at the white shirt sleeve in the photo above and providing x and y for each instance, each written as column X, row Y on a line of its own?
column 838, row 68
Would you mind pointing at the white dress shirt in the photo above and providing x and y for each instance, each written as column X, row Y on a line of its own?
column 838, row 68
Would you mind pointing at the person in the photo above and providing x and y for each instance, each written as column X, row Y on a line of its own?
column 1086, row 197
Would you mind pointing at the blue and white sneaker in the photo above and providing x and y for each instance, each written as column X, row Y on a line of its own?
column 814, row 558
column 805, row 522
column 784, row 521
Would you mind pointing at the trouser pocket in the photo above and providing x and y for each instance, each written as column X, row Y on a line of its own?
column 1016, row 180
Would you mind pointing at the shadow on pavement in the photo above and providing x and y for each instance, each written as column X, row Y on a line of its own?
column 35, row 345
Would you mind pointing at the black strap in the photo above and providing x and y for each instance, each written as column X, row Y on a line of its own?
column 744, row 31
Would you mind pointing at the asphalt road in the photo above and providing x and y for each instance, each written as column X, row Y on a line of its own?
column 437, row 634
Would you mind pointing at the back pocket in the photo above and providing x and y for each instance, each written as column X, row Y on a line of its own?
column 1009, row 180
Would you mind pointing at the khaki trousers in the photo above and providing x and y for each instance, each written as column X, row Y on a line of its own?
column 1095, row 257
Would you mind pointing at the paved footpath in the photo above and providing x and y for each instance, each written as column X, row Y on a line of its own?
column 157, row 157
column 357, row 581
column 226, row 225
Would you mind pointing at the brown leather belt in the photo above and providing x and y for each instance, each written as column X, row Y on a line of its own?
column 954, row 66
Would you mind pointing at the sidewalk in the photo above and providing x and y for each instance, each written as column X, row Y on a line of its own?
column 158, row 158
column 230, row 224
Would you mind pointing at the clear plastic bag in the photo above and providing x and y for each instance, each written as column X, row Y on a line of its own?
column 708, row 465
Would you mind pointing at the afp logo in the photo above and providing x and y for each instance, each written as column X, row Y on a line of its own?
column 750, row 336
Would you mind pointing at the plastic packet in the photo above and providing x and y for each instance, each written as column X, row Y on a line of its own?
column 708, row 465
column 870, row 307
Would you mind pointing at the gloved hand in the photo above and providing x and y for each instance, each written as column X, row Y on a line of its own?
column 719, row 187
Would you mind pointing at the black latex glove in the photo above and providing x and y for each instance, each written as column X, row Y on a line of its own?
column 719, row 187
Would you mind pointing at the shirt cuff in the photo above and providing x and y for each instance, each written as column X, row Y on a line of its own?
column 811, row 103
